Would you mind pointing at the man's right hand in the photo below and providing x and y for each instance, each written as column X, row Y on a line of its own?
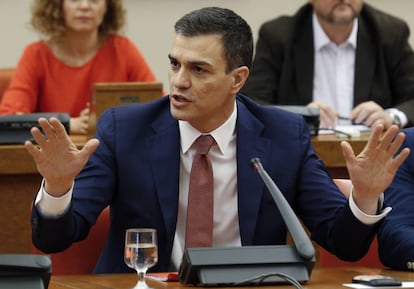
column 57, row 158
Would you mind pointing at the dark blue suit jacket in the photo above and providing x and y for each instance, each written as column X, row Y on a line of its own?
column 135, row 170
column 396, row 233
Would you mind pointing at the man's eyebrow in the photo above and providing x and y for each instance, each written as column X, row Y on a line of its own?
column 197, row 63
column 200, row 63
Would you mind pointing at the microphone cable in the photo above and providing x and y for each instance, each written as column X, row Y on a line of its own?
column 259, row 279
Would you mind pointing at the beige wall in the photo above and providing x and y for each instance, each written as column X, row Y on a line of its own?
column 150, row 23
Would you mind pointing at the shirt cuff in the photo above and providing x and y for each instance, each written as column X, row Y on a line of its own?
column 365, row 218
column 401, row 115
column 50, row 206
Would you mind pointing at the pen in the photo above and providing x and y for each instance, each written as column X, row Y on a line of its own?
column 340, row 117
column 343, row 117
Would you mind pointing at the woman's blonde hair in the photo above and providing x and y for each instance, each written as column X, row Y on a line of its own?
column 48, row 19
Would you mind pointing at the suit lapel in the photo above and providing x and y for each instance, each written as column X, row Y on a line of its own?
column 364, row 64
column 249, row 185
column 164, row 154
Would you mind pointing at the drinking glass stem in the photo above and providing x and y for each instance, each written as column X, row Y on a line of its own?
column 141, row 284
column 141, row 275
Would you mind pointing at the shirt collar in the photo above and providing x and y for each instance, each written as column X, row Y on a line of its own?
column 222, row 135
column 321, row 39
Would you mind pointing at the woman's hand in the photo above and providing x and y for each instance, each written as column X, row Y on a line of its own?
column 80, row 124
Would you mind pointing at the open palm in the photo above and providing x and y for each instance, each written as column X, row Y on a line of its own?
column 57, row 158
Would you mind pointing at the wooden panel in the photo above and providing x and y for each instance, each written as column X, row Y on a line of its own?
column 16, row 195
column 19, row 183
column 106, row 95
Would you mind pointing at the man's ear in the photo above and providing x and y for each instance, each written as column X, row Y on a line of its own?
column 240, row 75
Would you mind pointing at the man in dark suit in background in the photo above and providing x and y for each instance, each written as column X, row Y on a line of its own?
column 342, row 56
column 139, row 161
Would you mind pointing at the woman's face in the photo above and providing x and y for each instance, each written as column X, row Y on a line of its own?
column 84, row 15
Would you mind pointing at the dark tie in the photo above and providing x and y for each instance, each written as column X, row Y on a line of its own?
column 199, row 230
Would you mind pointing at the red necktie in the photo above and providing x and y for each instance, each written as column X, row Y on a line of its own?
column 199, row 231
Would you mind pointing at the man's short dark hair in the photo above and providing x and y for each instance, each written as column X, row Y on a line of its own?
column 236, row 33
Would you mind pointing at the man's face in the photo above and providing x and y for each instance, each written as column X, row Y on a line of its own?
column 337, row 11
column 201, row 91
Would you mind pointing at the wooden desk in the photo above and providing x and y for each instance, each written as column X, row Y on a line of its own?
column 20, row 181
column 328, row 148
column 323, row 278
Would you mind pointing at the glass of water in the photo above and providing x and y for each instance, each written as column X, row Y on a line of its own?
column 141, row 252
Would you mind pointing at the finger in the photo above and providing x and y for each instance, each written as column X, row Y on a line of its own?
column 377, row 122
column 314, row 104
column 324, row 121
column 375, row 137
column 388, row 137
column 83, row 130
column 331, row 116
column 400, row 158
column 396, row 144
column 32, row 149
column 59, row 129
column 371, row 119
column 362, row 117
column 360, row 113
column 348, row 152
column 56, row 124
column 84, row 112
column 47, row 128
column 38, row 136
column 376, row 117
column 89, row 148
column 355, row 112
column 85, row 127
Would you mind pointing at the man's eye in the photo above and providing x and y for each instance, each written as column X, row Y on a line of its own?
column 198, row 69
column 174, row 64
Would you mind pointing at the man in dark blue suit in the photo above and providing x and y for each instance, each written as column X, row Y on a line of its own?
column 396, row 233
column 139, row 161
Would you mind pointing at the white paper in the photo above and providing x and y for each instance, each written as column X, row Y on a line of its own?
column 346, row 129
column 356, row 285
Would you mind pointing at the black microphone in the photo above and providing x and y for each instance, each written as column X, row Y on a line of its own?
column 301, row 240
column 242, row 265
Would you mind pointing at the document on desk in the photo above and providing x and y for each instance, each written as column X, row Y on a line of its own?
column 409, row 284
column 351, row 129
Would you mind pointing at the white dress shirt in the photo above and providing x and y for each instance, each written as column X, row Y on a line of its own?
column 334, row 71
column 223, row 157
column 333, row 81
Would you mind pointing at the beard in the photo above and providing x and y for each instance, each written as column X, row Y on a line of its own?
column 341, row 13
